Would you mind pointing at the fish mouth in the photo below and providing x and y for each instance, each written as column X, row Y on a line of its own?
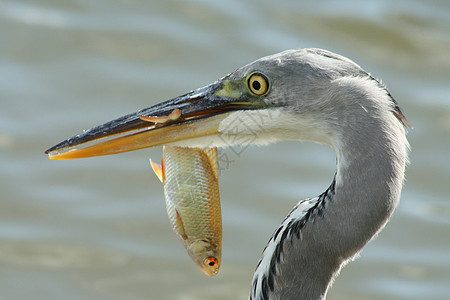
column 192, row 115
column 206, row 255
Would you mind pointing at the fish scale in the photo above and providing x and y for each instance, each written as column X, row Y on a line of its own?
column 191, row 190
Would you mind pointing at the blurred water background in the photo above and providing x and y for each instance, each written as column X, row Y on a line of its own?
column 97, row 228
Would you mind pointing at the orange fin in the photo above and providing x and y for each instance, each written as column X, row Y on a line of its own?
column 173, row 116
column 158, row 169
column 180, row 226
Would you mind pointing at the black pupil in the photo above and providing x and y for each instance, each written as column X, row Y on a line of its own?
column 256, row 85
column 211, row 263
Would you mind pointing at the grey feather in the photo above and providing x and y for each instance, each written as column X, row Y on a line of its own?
column 323, row 97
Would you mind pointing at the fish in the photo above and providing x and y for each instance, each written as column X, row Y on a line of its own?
column 191, row 190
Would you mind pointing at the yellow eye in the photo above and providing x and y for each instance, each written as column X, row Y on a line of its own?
column 258, row 84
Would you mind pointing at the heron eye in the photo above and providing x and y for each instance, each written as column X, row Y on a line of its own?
column 258, row 84
column 211, row 261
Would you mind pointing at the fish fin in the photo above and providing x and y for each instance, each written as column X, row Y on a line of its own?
column 211, row 153
column 180, row 226
column 158, row 169
column 173, row 116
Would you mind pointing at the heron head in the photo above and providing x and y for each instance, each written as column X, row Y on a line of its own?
column 275, row 97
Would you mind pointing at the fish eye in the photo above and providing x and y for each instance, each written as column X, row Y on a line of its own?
column 258, row 83
column 211, row 261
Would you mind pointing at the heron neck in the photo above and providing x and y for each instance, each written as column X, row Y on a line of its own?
column 369, row 176
column 358, row 204
column 320, row 235
column 368, row 182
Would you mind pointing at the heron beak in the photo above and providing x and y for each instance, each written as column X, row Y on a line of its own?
column 195, row 114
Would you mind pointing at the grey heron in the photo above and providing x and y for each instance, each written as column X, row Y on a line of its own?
column 312, row 95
